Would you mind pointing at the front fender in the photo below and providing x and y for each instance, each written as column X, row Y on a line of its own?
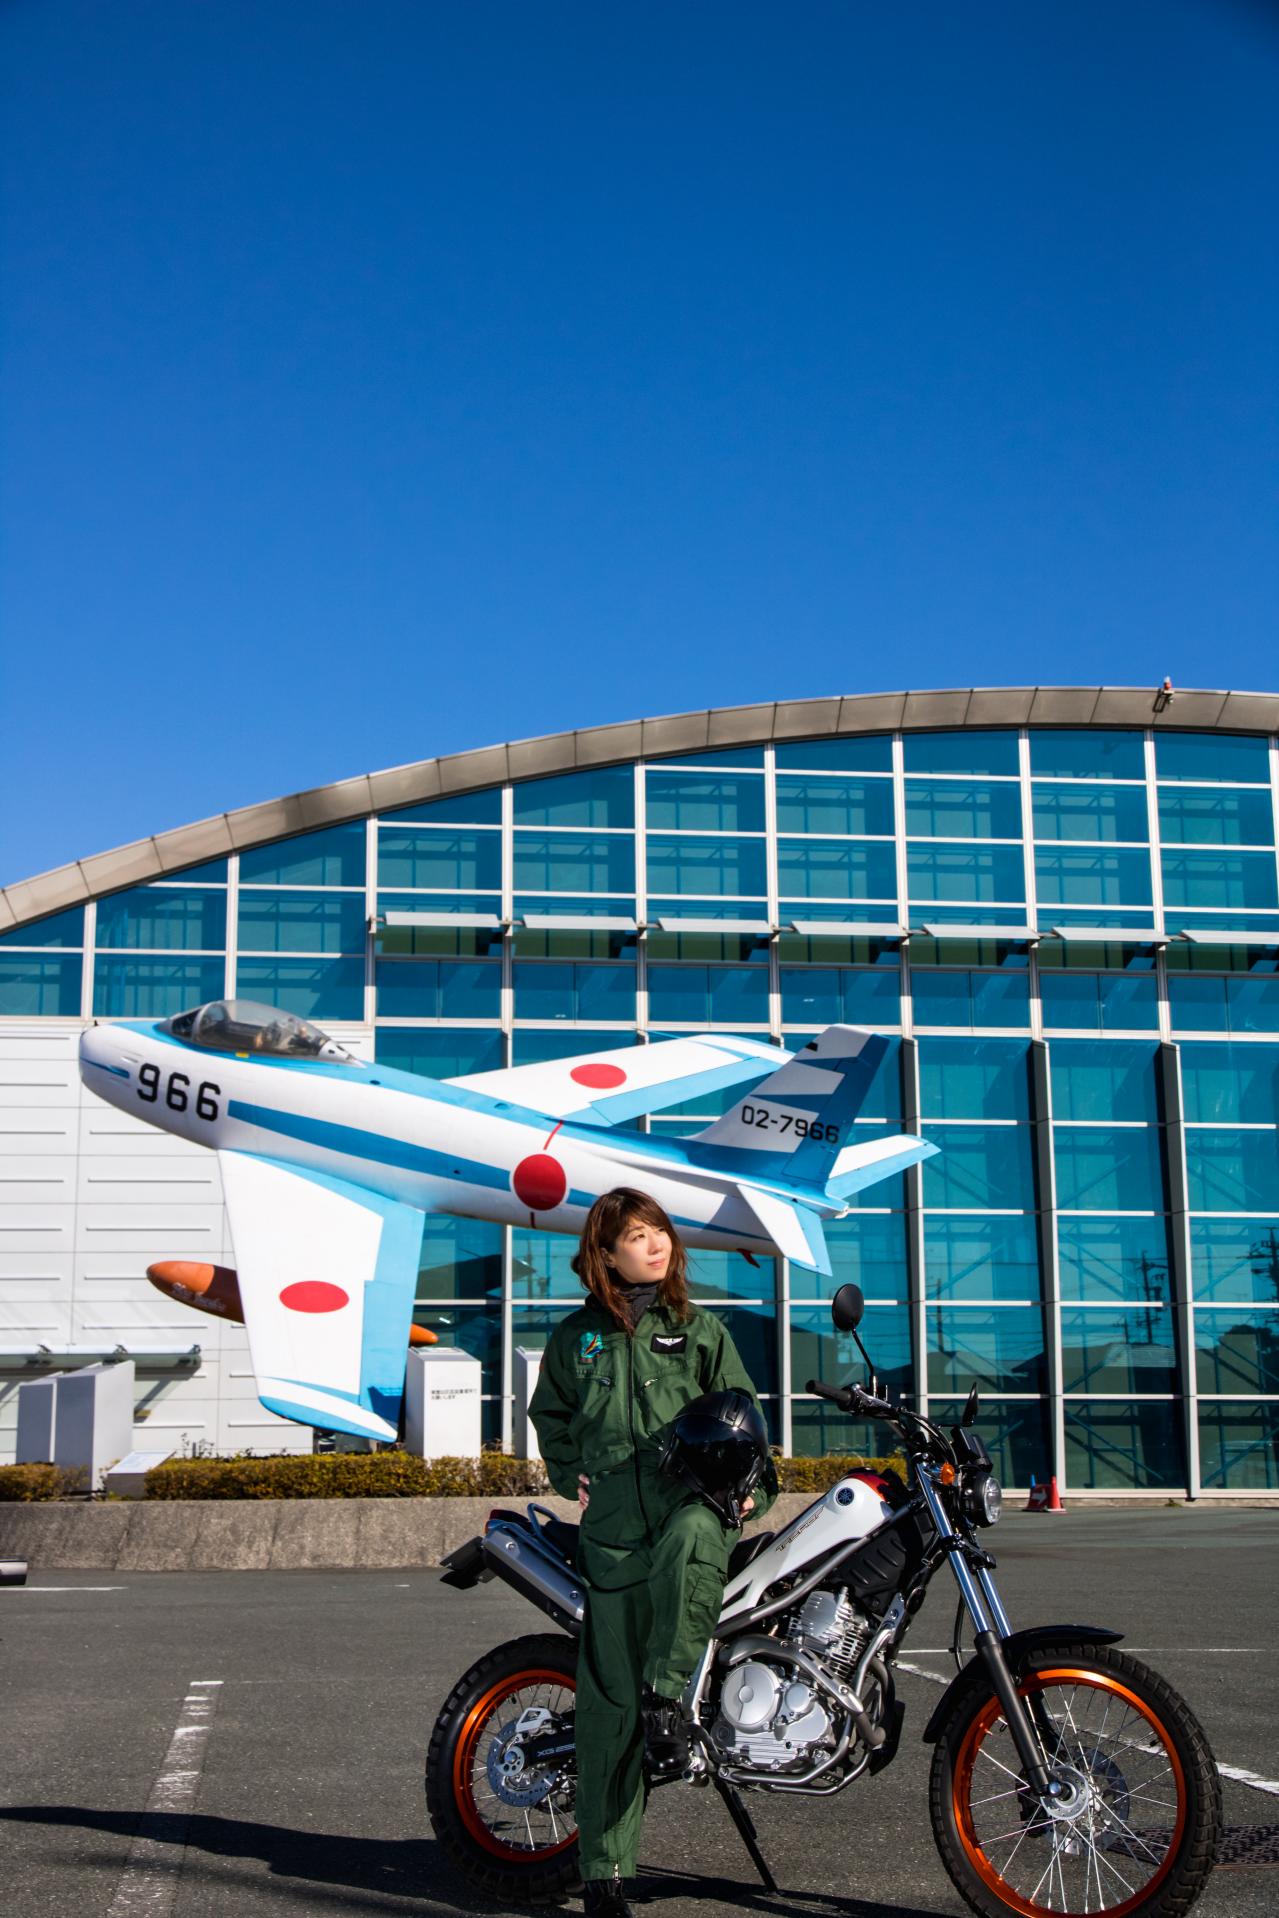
column 1017, row 1650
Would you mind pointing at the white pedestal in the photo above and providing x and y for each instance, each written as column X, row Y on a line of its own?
column 93, row 1422
column 37, row 1399
column 527, row 1368
column 442, row 1403
column 128, row 1479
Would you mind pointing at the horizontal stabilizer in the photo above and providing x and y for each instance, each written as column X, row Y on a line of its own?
column 861, row 1165
column 618, row 1086
column 794, row 1229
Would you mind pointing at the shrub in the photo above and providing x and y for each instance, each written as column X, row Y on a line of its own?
column 349, row 1475
column 24, row 1484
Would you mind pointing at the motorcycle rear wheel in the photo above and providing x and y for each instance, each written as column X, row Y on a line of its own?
column 517, row 1842
column 1136, row 1835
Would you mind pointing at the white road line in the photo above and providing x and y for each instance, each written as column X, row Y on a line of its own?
column 149, row 1882
column 70, row 1588
column 1236, row 1772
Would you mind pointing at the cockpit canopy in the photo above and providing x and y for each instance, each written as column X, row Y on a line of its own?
column 242, row 1025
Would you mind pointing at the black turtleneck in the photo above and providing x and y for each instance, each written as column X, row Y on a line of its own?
column 636, row 1299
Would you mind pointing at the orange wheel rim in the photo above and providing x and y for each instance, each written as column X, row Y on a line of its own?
column 477, row 1719
column 1028, row 1905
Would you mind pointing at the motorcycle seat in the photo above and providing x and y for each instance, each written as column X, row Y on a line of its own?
column 745, row 1550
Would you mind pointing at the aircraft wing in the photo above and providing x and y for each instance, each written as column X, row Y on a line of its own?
column 328, row 1271
column 610, row 1088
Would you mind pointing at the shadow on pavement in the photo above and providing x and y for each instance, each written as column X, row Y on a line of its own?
column 417, row 1869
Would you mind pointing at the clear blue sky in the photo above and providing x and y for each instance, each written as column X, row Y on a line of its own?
column 379, row 379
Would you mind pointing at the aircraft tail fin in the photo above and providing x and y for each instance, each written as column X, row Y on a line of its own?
column 794, row 1124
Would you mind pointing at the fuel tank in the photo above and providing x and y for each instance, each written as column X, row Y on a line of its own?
column 851, row 1510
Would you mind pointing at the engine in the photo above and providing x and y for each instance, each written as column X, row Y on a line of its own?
column 771, row 1716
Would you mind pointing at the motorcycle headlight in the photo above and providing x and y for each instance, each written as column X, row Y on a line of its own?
column 983, row 1499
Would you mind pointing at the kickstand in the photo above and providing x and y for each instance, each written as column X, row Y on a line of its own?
column 746, row 1831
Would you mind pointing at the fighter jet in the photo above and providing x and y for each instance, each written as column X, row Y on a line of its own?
column 329, row 1166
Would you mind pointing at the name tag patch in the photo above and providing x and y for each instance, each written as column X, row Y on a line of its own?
column 669, row 1342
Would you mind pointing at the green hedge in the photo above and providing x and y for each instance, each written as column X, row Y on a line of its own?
column 24, row 1484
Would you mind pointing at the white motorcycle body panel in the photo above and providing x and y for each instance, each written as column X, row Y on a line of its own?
column 850, row 1510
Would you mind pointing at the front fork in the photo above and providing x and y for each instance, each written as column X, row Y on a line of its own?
column 990, row 1629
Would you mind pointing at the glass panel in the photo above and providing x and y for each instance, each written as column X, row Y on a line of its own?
column 1237, row 1084
column 1239, row 1447
column 961, row 752
column 1104, row 1082
column 451, row 858
column 974, row 1079
column 574, row 862
column 605, row 798
column 1204, row 1003
column 829, row 995
column 818, row 1430
column 212, row 873
column 57, row 929
column 981, row 1258
column 859, row 753
column 33, row 986
column 705, row 802
column 1092, row 878
column 720, row 994
column 315, row 988
column 461, row 1259
column 1209, row 816
column 872, row 997
column 1087, row 754
column 999, row 1350
column 979, row 1169
column 714, row 1276
column 818, row 1351
column 1015, row 1432
column 334, row 857
column 581, row 992
column 850, row 806
column 1105, row 1351
column 1235, row 1260
column 1231, row 757
column 541, row 1266
column 1101, row 1001
column 1114, row 1259
column 962, row 809
column 1104, row 1169
column 869, row 1251
column 1231, row 1171
column 164, row 916
column 961, row 872
column 135, row 987
column 753, row 1330
column 300, row 922
column 751, row 757
column 1124, row 1447
column 439, row 988
column 461, row 809
column 1237, row 1351
column 944, row 998
column 440, row 1054
column 532, row 1048
column 706, row 866
column 1226, row 881
column 1091, row 812
column 836, row 869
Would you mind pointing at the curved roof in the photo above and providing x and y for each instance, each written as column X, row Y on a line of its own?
column 712, row 730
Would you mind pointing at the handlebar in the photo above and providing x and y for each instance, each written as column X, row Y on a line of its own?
column 852, row 1398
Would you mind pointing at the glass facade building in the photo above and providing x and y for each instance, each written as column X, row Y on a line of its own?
column 1070, row 933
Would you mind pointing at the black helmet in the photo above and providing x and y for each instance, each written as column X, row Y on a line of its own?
column 718, row 1446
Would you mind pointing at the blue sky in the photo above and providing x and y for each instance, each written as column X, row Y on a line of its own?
column 380, row 380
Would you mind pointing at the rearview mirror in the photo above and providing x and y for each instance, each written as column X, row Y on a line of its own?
column 847, row 1307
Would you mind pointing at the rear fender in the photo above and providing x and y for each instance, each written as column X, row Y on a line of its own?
column 1018, row 1649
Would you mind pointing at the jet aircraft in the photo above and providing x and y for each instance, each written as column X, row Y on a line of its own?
column 329, row 1166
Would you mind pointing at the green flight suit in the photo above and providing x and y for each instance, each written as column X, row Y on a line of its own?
column 652, row 1557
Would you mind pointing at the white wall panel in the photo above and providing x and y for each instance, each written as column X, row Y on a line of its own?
column 42, row 1131
column 37, row 1181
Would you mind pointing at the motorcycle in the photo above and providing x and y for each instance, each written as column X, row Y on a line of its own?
column 1066, row 1778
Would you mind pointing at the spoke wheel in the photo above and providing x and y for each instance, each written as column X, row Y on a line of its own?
column 1135, row 1825
column 507, row 1820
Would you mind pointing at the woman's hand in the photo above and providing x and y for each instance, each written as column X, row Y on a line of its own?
column 583, row 1496
column 748, row 1506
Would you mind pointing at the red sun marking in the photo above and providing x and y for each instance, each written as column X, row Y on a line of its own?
column 539, row 1182
column 598, row 1077
column 314, row 1295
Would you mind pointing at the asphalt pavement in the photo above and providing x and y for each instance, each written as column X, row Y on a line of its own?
column 232, row 1745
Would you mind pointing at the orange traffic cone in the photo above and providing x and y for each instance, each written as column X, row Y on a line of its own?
column 1054, row 1503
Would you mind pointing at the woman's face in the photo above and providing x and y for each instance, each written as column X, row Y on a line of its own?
column 641, row 1255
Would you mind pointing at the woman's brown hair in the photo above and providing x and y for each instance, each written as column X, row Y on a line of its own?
column 606, row 1221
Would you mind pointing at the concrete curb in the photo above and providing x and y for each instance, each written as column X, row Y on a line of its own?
column 290, row 1535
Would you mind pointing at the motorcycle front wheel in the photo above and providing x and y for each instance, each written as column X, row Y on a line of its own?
column 507, row 1824
column 1135, row 1831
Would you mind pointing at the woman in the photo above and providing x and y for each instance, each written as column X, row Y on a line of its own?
column 652, row 1557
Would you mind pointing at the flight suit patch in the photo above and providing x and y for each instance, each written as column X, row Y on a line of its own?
column 669, row 1342
column 589, row 1347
